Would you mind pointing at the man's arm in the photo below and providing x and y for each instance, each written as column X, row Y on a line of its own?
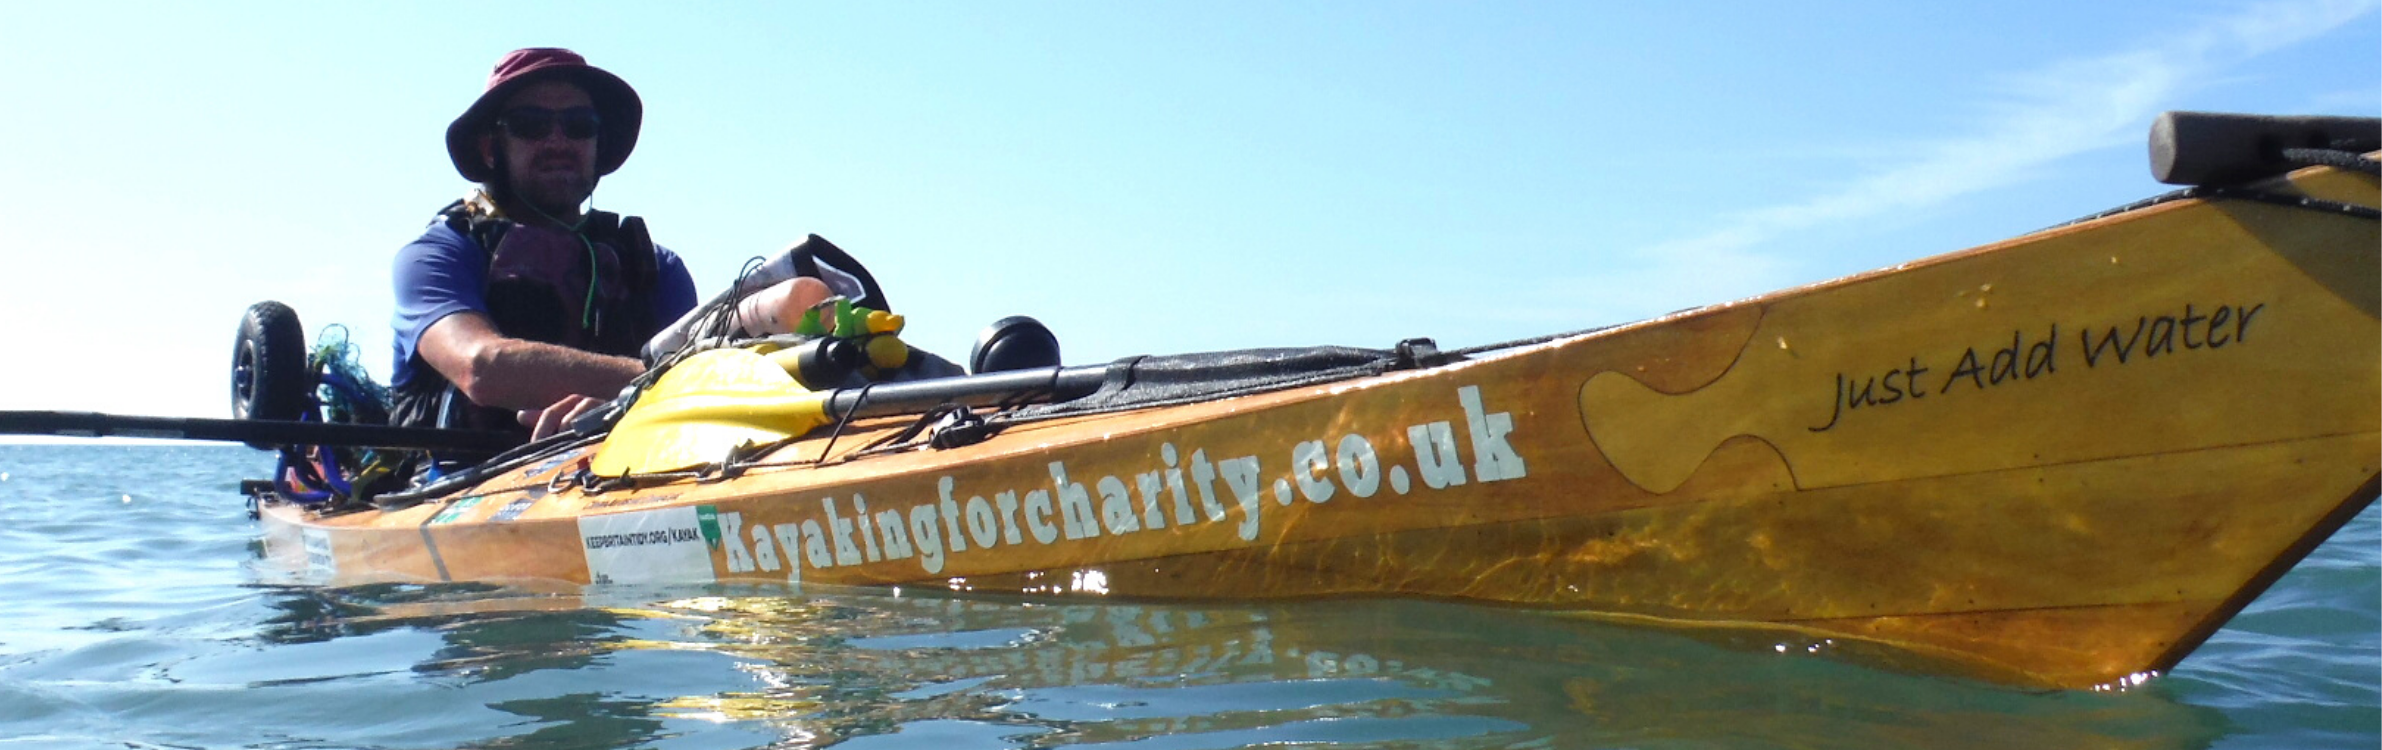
column 493, row 370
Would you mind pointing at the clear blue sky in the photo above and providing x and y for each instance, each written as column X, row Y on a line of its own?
column 1144, row 177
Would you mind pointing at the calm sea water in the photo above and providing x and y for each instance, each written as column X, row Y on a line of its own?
column 137, row 614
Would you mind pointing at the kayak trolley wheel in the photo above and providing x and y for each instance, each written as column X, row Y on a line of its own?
column 1016, row 342
column 269, row 377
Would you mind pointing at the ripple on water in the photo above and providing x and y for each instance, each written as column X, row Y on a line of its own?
column 144, row 623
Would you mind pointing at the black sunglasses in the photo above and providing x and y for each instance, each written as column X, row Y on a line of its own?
column 533, row 123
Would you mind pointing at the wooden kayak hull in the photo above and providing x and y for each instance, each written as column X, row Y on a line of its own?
column 2061, row 460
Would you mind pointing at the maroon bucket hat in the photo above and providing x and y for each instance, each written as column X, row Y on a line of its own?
column 617, row 104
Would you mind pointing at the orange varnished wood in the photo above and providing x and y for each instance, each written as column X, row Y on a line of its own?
column 2025, row 503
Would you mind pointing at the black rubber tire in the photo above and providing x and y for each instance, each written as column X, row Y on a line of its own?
column 1016, row 342
column 269, row 376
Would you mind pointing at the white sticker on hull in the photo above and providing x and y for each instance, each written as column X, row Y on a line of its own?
column 653, row 546
column 320, row 564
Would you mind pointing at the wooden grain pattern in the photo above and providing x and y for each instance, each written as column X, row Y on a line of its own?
column 2060, row 460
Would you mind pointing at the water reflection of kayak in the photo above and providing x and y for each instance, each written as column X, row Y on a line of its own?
column 2060, row 460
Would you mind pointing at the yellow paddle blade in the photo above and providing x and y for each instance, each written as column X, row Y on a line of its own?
column 703, row 407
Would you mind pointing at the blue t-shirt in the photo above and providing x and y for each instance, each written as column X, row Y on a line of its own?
column 445, row 272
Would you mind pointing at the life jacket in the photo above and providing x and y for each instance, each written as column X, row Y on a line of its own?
column 541, row 286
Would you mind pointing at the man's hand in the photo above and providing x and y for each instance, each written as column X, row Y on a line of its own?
column 557, row 417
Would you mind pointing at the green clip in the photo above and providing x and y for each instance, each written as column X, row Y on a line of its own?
column 851, row 321
column 809, row 325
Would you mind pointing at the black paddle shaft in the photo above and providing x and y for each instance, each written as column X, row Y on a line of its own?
column 253, row 431
column 1036, row 385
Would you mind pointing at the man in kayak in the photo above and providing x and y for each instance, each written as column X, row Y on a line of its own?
column 516, row 308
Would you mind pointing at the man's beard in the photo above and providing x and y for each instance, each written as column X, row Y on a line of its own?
column 551, row 182
column 553, row 194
